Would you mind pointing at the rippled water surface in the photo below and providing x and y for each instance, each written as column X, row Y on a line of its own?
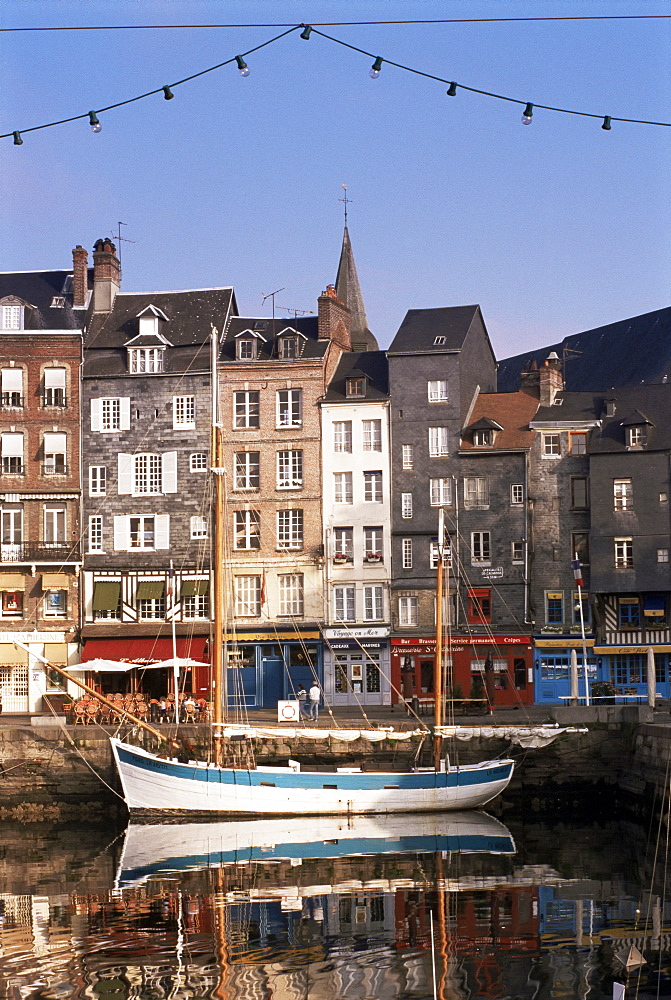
column 321, row 909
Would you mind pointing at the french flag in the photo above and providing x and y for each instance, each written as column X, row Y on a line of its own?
column 577, row 572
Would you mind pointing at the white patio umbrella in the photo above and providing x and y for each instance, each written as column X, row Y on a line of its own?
column 100, row 666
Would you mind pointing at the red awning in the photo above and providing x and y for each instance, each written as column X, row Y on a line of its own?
column 142, row 651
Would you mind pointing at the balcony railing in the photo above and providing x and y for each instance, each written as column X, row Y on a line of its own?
column 12, row 467
column 54, row 469
column 54, row 397
column 11, row 399
column 31, row 552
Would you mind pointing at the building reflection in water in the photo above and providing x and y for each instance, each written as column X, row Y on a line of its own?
column 355, row 926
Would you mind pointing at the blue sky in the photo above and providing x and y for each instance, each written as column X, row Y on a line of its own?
column 552, row 228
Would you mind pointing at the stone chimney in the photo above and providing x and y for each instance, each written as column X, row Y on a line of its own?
column 333, row 319
column 106, row 275
column 80, row 259
column 550, row 379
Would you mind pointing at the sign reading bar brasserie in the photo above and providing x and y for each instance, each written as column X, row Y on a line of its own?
column 472, row 640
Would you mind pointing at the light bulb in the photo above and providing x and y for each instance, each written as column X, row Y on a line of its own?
column 168, row 94
column 606, row 123
column 94, row 123
column 242, row 66
column 374, row 71
column 306, row 32
column 18, row 141
column 452, row 92
column 528, row 114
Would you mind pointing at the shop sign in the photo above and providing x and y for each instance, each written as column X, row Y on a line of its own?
column 605, row 650
column 562, row 643
column 492, row 572
column 278, row 635
column 356, row 633
column 32, row 636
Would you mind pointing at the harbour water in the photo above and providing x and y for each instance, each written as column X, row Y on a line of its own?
column 409, row 907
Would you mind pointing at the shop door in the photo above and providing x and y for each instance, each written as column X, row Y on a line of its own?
column 14, row 688
column 272, row 680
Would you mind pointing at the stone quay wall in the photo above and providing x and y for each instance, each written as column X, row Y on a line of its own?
column 62, row 775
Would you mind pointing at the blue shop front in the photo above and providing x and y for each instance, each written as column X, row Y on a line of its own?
column 267, row 665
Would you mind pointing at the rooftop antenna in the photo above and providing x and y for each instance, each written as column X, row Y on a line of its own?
column 346, row 201
column 271, row 295
column 121, row 239
column 295, row 312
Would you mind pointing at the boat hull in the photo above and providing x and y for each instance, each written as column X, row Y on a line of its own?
column 153, row 784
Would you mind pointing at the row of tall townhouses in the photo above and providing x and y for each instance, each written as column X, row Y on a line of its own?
column 337, row 460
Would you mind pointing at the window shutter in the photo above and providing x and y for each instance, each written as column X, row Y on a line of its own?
column 124, row 474
column 121, row 532
column 125, row 413
column 169, row 472
column 96, row 410
column 12, row 380
column 54, row 378
column 162, row 531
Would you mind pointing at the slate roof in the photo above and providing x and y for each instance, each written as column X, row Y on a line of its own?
column 38, row 289
column 630, row 352
column 270, row 330
column 418, row 331
column 348, row 291
column 372, row 364
column 190, row 318
column 649, row 404
column 511, row 410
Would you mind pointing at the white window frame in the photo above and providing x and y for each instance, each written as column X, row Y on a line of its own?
column 481, row 548
column 290, row 588
column 198, row 461
column 437, row 390
column 12, row 386
column 343, row 542
column 247, row 349
column 135, row 532
column 247, row 470
column 344, row 603
column 373, row 542
column 151, row 609
column 517, row 494
column 12, row 317
column 624, row 552
column 290, row 528
column 97, row 480
column 247, row 596
column 440, row 492
column 373, row 490
column 55, row 449
column 110, row 414
column 342, row 487
column 623, row 494
column 95, row 533
column 184, row 413
column 55, row 525
column 372, row 435
column 289, row 408
column 145, row 360
column 290, row 469
column 407, row 456
column 637, row 436
column 199, row 526
column 54, row 387
column 373, row 602
column 408, row 612
column 406, row 505
column 406, row 553
column 342, row 436
column 483, row 437
column 517, row 559
column 438, row 442
column 12, row 453
column 246, row 409
column 247, row 529
column 141, row 531
column 663, row 555
column 551, row 445
column 476, row 492
column 195, row 607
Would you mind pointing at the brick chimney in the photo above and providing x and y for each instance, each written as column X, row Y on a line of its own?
column 106, row 275
column 551, row 381
column 80, row 259
column 333, row 319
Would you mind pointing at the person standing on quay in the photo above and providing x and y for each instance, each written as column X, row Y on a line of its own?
column 314, row 696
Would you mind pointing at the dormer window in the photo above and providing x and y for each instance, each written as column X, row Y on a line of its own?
column 145, row 360
column 355, row 387
column 288, row 348
column 12, row 317
column 637, row 436
column 246, row 349
column 483, row 438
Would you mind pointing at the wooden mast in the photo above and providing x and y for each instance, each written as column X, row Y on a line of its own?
column 438, row 662
column 219, row 686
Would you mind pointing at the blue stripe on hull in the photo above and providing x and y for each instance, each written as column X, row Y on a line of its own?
column 310, row 780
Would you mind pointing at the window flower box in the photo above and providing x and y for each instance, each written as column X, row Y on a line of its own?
column 373, row 557
column 341, row 557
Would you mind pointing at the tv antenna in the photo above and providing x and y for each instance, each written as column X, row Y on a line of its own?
column 295, row 312
column 271, row 295
column 121, row 239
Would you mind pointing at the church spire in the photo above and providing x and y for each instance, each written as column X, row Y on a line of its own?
column 348, row 291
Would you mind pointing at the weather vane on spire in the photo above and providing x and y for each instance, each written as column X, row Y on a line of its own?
column 346, row 201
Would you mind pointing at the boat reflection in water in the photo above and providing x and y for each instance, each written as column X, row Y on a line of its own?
column 160, row 849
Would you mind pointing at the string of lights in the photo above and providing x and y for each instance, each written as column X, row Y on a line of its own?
column 374, row 72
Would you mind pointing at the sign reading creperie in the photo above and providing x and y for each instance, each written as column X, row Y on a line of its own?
column 473, row 640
